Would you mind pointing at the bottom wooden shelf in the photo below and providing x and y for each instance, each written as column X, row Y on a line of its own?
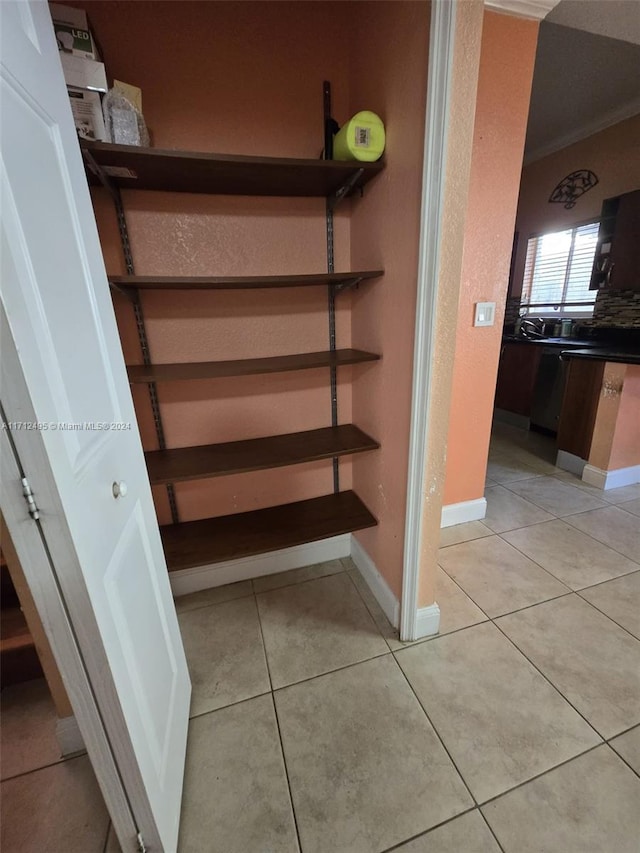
column 229, row 537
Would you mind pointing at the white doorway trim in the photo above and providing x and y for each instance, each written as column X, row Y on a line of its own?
column 441, row 48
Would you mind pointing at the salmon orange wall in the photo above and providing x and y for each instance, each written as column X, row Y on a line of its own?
column 233, row 77
column 389, row 59
column 616, row 433
column 625, row 451
column 613, row 154
column 504, row 86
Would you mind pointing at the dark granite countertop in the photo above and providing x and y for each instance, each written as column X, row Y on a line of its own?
column 617, row 354
column 549, row 342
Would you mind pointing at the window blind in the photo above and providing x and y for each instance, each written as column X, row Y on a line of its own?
column 558, row 271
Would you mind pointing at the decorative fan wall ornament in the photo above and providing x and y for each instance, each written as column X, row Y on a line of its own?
column 572, row 187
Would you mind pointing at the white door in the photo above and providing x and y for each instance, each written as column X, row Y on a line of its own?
column 106, row 549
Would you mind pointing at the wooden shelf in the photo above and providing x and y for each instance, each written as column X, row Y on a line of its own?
column 229, row 537
column 19, row 659
column 14, row 633
column 133, row 167
column 246, row 366
column 254, row 282
column 256, row 454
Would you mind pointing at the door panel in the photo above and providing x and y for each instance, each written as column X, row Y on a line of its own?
column 56, row 297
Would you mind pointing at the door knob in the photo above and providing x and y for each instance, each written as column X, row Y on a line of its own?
column 119, row 490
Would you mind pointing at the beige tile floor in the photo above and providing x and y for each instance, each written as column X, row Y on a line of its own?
column 315, row 729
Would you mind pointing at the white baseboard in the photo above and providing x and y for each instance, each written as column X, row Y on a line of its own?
column 465, row 511
column 611, row 479
column 218, row 574
column 376, row 583
column 428, row 621
column 68, row 736
column 570, row 462
column 511, row 419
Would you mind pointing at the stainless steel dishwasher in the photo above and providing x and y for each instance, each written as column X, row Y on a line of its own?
column 548, row 390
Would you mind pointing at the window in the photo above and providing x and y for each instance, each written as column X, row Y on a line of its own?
column 558, row 271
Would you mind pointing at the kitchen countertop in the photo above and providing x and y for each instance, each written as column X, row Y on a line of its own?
column 549, row 342
column 617, row 354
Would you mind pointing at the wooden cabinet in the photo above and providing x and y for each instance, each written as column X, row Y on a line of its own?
column 617, row 260
column 625, row 246
column 517, row 373
column 580, row 406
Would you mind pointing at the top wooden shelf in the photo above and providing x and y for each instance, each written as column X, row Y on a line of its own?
column 133, row 167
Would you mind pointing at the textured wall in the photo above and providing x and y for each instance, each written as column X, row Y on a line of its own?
column 469, row 17
column 232, row 77
column 504, row 85
column 616, row 432
column 625, row 452
column 389, row 58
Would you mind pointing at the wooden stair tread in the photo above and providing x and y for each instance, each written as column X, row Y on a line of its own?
column 252, row 282
column 14, row 633
column 135, row 167
column 255, row 454
column 246, row 366
column 213, row 540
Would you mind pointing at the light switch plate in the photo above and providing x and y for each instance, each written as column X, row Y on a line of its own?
column 485, row 314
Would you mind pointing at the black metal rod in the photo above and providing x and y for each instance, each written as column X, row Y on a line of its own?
column 328, row 153
column 328, row 122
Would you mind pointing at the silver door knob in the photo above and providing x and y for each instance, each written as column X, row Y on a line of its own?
column 119, row 490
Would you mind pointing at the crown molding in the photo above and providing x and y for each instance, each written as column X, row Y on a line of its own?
column 536, row 10
column 615, row 116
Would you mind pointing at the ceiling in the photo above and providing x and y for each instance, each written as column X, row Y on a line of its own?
column 583, row 82
column 618, row 19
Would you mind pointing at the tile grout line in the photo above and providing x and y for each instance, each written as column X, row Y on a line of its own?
column 411, row 643
column 519, row 650
column 331, row 671
column 60, row 761
column 209, row 603
column 570, row 591
column 548, row 680
column 286, row 771
column 278, row 729
column 559, row 482
column 608, row 580
column 605, row 505
column 297, row 583
column 540, row 775
column 253, row 592
column 543, row 772
column 491, row 830
column 106, row 840
column 606, row 615
column 428, row 831
column 606, row 544
column 622, row 758
column 437, row 733
column 500, row 615
column 623, row 732
column 229, row 705
column 549, row 572
column 368, row 609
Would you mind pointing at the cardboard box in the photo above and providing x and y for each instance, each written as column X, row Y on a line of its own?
column 69, row 15
column 72, row 31
column 82, row 73
column 87, row 114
